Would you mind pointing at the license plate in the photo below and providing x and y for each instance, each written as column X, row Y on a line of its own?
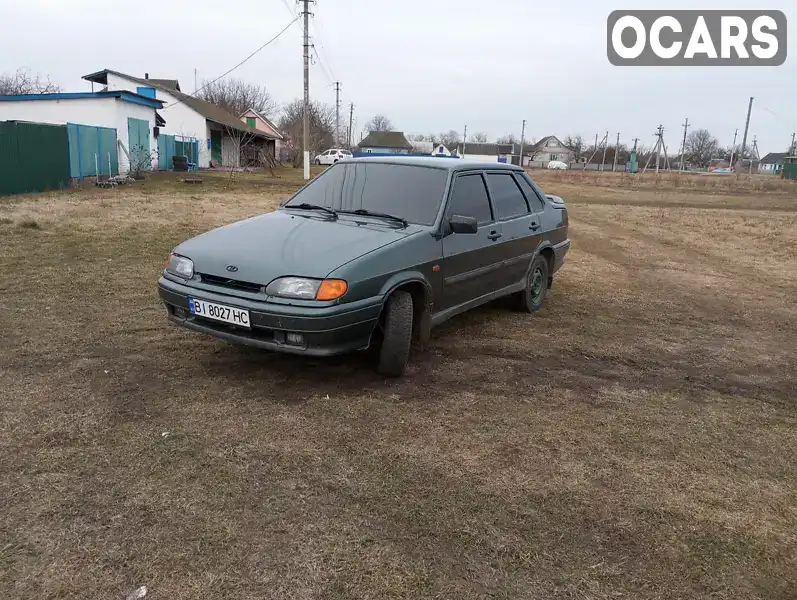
column 219, row 312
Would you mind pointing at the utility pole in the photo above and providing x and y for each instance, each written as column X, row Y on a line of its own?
column 351, row 122
column 791, row 148
column 616, row 152
column 595, row 150
column 194, row 81
column 464, row 140
column 754, row 149
column 306, row 115
column 636, row 140
column 733, row 148
column 746, row 128
column 523, row 138
column 605, row 147
column 660, row 135
column 337, row 113
column 683, row 145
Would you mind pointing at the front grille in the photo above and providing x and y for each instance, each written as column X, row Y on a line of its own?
column 234, row 284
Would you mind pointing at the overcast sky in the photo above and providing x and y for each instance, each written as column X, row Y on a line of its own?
column 429, row 66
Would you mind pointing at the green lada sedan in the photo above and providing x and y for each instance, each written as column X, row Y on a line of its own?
column 374, row 251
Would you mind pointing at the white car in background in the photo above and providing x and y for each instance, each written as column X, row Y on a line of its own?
column 331, row 156
column 557, row 164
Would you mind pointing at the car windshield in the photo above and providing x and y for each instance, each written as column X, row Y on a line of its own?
column 411, row 192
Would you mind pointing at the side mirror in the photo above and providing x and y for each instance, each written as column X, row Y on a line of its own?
column 461, row 224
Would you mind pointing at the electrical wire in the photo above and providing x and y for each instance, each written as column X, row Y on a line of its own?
column 284, row 29
column 777, row 116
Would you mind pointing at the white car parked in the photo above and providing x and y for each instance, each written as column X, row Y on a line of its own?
column 557, row 164
column 331, row 156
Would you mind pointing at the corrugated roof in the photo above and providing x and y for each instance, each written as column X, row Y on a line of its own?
column 773, row 157
column 385, row 139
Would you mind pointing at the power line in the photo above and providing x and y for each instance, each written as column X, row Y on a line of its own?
column 317, row 36
column 284, row 29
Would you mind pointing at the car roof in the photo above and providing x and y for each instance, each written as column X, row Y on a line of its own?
column 441, row 162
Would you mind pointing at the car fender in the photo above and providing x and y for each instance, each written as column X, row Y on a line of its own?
column 398, row 279
column 540, row 247
column 423, row 327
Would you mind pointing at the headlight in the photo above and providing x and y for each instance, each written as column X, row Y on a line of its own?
column 180, row 266
column 307, row 289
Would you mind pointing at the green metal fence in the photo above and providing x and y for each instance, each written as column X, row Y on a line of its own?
column 92, row 151
column 33, row 157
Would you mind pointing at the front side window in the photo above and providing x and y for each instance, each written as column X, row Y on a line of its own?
column 410, row 192
column 469, row 199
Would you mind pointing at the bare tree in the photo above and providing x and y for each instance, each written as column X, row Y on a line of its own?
column 576, row 144
column 322, row 127
column 25, row 82
column 508, row 139
column 237, row 96
column 478, row 138
column 379, row 123
column 241, row 146
column 701, row 147
column 449, row 138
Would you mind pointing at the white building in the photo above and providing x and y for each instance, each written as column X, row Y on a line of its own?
column 219, row 134
column 132, row 115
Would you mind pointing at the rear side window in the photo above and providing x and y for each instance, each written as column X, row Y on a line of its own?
column 535, row 201
column 508, row 201
column 469, row 199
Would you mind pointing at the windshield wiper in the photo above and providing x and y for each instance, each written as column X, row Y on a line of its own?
column 305, row 206
column 370, row 213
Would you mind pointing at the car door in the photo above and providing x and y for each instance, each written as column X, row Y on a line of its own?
column 470, row 260
column 519, row 226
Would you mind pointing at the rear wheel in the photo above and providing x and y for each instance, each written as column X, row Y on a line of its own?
column 397, row 335
column 531, row 298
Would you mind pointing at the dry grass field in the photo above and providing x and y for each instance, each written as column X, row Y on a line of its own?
column 635, row 439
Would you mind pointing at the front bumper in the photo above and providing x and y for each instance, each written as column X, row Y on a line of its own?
column 326, row 330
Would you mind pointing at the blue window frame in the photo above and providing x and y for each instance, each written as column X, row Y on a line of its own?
column 146, row 91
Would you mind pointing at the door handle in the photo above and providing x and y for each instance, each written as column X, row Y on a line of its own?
column 533, row 226
column 494, row 235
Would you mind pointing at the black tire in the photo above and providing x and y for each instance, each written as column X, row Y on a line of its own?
column 397, row 335
column 318, row 162
column 532, row 298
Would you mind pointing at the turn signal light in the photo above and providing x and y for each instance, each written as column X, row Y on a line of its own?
column 331, row 289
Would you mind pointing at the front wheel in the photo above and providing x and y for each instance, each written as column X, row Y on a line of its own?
column 397, row 332
column 531, row 298
column 318, row 162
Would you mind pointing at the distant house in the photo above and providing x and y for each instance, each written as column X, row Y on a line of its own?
column 486, row 152
column 256, row 120
column 204, row 132
column 773, row 162
column 549, row 148
column 384, row 142
column 440, row 150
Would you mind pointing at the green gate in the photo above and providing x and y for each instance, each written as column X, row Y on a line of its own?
column 33, row 157
column 92, row 151
column 138, row 144
column 166, row 152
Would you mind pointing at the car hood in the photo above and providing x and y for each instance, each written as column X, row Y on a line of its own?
column 287, row 243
